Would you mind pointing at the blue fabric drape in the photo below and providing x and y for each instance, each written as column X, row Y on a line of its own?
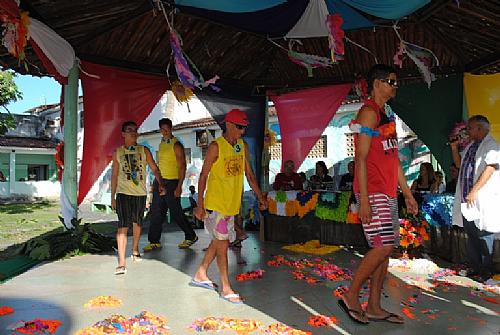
column 352, row 19
column 387, row 9
column 218, row 104
column 231, row 6
column 275, row 21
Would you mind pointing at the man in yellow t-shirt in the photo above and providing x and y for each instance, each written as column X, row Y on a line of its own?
column 221, row 177
column 172, row 164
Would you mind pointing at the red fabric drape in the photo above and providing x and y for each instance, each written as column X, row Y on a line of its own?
column 9, row 10
column 303, row 116
column 117, row 96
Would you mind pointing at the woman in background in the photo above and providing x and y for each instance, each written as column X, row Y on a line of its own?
column 321, row 177
column 425, row 179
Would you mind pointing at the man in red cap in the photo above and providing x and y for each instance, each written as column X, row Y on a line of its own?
column 226, row 162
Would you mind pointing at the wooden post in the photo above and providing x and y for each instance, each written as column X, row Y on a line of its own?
column 69, row 188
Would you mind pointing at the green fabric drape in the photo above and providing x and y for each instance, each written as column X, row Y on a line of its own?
column 432, row 113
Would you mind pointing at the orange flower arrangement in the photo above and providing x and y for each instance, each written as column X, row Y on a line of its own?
column 412, row 232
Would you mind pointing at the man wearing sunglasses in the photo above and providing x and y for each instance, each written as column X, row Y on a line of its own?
column 377, row 175
column 128, row 184
column 220, row 189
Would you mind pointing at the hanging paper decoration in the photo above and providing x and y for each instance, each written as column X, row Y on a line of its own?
column 423, row 58
column 335, row 37
column 399, row 55
column 15, row 28
column 181, row 92
column 59, row 157
column 460, row 131
column 306, row 60
column 184, row 73
column 361, row 87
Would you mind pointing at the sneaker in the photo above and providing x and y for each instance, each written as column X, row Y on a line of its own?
column 151, row 247
column 187, row 243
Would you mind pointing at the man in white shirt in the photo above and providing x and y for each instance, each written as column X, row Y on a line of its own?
column 478, row 186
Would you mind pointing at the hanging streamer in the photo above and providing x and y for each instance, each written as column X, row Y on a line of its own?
column 423, row 58
column 181, row 93
column 184, row 73
column 15, row 28
column 335, row 37
column 308, row 61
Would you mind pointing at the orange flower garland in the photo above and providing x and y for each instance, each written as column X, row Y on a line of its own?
column 5, row 310
column 322, row 321
column 412, row 233
column 103, row 301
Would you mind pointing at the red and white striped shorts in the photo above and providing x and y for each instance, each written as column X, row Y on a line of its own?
column 383, row 230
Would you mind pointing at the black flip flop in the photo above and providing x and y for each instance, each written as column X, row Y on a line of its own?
column 387, row 318
column 351, row 312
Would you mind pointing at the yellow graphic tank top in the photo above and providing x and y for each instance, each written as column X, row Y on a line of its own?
column 132, row 170
column 167, row 162
column 225, row 180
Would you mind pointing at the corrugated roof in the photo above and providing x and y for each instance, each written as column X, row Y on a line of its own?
column 26, row 142
column 200, row 123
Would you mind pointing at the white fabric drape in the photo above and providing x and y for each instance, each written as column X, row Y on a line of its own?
column 56, row 49
column 312, row 23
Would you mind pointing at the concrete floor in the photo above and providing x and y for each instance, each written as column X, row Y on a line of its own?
column 159, row 284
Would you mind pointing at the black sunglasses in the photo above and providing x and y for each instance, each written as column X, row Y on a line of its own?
column 391, row 82
column 240, row 127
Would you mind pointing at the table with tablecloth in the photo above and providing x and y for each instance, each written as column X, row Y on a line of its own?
column 299, row 216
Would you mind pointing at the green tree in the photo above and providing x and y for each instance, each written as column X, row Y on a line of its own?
column 8, row 93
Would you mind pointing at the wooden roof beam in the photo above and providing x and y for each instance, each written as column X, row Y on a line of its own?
column 125, row 65
column 433, row 9
column 481, row 64
column 28, row 6
column 120, row 23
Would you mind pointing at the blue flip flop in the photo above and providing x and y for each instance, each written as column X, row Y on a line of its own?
column 207, row 284
column 228, row 298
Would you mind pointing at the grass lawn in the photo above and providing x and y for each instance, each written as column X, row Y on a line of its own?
column 21, row 222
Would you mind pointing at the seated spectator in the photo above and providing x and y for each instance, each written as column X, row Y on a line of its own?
column 305, row 183
column 288, row 179
column 425, row 179
column 193, row 196
column 438, row 186
column 319, row 180
column 348, row 178
column 451, row 185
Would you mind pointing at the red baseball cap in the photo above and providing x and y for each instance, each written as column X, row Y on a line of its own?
column 237, row 116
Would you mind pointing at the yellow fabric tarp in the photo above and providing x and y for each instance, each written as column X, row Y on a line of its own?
column 312, row 247
column 482, row 93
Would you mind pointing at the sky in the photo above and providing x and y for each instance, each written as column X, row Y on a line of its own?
column 36, row 91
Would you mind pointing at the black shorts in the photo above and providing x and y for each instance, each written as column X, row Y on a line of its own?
column 130, row 209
